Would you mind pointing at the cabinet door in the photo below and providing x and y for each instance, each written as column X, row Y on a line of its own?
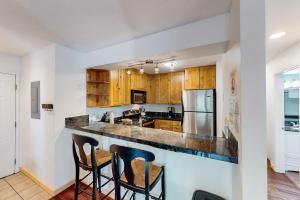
column 164, row 124
column 125, row 87
column 191, row 78
column 156, row 88
column 177, row 126
column 176, row 87
column 133, row 79
column 141, row 80
column 150, row 89
column 207, row 77
column 115, row 88
column 164, row 88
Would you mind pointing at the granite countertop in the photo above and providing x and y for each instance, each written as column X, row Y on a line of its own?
column 164, row 116
column 210, row 147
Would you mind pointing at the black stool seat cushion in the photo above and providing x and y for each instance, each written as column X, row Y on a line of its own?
column 138, row 168
column 202, row 195
column 102, row 157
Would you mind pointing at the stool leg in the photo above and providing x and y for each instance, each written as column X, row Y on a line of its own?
column 163, row 185
column 94, row 184
column 76, row 182
column 99, row 178
column 147, row 196
column 133, row 197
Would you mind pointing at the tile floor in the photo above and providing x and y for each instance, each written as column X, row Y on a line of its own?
column 20, row 187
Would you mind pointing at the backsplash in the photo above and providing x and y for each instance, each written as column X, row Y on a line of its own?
column 98, row 112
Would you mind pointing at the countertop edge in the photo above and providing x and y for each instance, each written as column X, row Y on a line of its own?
column 215, row 156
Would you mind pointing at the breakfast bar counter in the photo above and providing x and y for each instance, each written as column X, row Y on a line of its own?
column 210, row 147
column 191, row 162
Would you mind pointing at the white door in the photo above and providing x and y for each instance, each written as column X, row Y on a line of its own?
column 7, row 124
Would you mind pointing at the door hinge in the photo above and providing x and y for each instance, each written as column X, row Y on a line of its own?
column 15, row 124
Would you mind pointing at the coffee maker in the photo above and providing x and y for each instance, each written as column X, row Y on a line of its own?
column 171, row 111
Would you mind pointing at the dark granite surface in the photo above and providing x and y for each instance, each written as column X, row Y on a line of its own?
column 210, row 147
column 164, row 115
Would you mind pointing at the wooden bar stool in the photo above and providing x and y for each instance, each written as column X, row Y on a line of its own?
column 93, row 163
column 139, row 175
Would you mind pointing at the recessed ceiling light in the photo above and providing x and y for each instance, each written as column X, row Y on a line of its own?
column 277, row 35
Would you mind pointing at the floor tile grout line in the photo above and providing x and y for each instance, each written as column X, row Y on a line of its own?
column 13, row 188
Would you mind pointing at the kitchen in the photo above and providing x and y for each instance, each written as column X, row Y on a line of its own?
column 131, row 86
column 169, row 111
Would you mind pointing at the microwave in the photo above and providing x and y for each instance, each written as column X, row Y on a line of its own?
column 138, row 97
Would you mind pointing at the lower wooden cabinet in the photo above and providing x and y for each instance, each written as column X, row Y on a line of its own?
column 168, row 125
column 177, row 126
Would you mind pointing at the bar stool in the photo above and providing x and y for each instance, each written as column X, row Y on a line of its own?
column 139, row 176
column 93, row 163
column 202, row 195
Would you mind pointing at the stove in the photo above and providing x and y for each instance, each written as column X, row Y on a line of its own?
column 132, row 117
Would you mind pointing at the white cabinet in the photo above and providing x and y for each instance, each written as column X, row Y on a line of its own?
column 292, row 151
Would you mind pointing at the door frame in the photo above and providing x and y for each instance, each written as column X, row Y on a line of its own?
column 17, row 115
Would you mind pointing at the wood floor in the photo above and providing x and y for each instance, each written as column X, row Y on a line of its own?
column 68, row 194
column 280, row 187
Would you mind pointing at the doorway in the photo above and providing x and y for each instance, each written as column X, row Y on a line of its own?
column 7, row 124
column 291, row 125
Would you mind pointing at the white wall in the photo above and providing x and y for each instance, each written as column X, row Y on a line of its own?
column 69, row 100
column 253, row 151
column 37, row 134
column 201, row 33
column 287, row 60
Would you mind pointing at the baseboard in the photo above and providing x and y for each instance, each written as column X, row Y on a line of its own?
column 47, row 188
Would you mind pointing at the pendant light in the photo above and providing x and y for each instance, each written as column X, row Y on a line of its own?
column 142, row 70
column 128, row 71
column 172, row 67
column 156, row 69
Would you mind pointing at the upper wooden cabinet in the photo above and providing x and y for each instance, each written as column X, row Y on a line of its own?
column 176, row 87
column 164, row 88
column 116, row 87
column 200, row 78
column 191, row 78
column 207, row 78
column 97, row 88
column 138, row 81
column 126, row 87
column 152, row 89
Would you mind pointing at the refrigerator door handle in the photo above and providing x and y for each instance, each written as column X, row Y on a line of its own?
column 182, row 115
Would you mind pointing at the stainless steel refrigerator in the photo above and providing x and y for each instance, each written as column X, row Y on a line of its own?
column 199, row 112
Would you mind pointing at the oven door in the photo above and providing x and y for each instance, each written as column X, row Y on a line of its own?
column 138, row 97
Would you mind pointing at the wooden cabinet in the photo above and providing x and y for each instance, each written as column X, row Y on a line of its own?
column 191, row 78
column 202, row 78
column 164, row 88
column 116, row 87
column 97, row 88
column 176, row 87
column 168, row 125
column 138, row 81
column 207, row 77
column 125, row 87
column 164, row 124
column 177, row 126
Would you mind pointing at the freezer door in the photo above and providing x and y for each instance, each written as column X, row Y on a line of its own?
column 198, row 100
column 198, row 123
